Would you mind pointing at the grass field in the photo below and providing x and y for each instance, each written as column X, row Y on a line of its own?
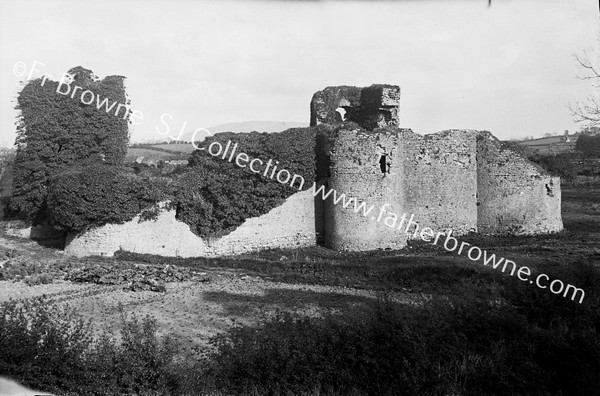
column 179, row 147
column 431, row 322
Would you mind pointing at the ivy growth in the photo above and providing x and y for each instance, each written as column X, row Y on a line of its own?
column 56, row 132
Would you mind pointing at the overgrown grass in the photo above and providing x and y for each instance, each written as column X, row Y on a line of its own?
column 527, row 345
column 525, row 342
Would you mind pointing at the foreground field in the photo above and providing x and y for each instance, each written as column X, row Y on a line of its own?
column 445, row 296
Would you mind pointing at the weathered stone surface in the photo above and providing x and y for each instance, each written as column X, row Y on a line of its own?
column 462, row 180
column 289, row 225
column 515, row 195
column 372, row 107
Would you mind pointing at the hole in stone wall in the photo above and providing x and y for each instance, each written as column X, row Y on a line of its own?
column 549, row 190
column 383, row 164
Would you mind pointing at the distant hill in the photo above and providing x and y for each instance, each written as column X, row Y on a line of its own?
column 259, row 126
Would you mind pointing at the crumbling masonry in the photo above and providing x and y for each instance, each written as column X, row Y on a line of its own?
column 462, row 180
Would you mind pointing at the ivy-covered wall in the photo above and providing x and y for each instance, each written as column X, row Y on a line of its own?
column 91, row 196
column 56, row 131
column 216, row 196
column 213, row 196
column 69, row 164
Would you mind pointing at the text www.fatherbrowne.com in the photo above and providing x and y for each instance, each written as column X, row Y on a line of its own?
column 404, row 223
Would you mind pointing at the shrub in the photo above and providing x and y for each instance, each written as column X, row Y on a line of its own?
column 589, row 145
column 140, row 364
column 100, row 194
column 47, row 346
column 564, row 165
column 42, row 343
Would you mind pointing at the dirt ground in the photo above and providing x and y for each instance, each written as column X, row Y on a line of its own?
column 195, row 309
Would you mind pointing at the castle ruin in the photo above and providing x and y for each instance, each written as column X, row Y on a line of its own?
column 463, row 180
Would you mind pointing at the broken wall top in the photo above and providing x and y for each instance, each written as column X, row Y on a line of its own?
column 371, row 107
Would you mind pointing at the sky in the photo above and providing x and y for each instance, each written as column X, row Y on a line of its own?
column 508, row 68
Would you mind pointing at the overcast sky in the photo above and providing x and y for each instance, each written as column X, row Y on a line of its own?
column 508, row 68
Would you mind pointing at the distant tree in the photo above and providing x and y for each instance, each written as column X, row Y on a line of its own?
column 564, row 165
column 548, row 134
column 55, row 131
column 589, row 146
column 588, row 112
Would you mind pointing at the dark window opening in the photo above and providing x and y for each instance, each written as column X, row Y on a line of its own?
column 383, row 164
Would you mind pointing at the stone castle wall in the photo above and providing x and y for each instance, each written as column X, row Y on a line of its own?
column 290, row 225
column 462, row 180
column 440, row 175
column 356, row 171
column 515, row 195
column 457, row 179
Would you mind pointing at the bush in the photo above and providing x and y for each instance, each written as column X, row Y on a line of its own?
column 50, row 347
column 139, row 364
column 96, row 195
column 563, row 165
column 42, row 343
column 589, row 146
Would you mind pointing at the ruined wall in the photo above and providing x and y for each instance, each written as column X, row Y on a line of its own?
column 432, row 177
column 356, row 170
column 514, row 194
column 377, row 106
column 440, row 173
column 290, row 225
column 460, row 179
